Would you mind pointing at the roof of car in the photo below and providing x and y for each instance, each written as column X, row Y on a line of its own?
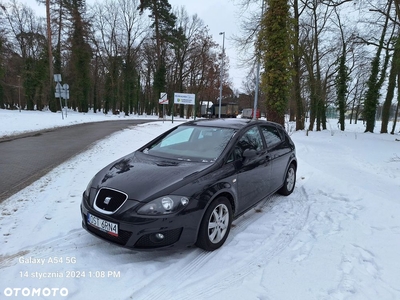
column 235, row 123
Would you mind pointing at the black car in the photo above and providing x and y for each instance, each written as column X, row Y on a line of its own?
column 186, row 186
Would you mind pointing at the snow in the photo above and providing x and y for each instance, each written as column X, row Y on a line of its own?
column 336, row 237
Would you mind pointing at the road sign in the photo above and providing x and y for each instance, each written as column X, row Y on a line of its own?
column 62, row 91
column 188, row 99
column 58, row 88
column 163, row 101
column 57, row 77
column 163, row 95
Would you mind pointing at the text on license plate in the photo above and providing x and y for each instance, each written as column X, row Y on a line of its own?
column 103, row 225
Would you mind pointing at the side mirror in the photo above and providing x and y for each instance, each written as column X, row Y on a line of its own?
column 249, row 153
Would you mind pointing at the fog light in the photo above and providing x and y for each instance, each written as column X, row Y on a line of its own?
column 184, row 201
column 159, row 236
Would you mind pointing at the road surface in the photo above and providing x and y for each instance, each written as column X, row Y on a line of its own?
column 27, row 157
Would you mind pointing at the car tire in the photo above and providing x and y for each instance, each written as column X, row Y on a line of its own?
column 215, row 225
column 290, row 181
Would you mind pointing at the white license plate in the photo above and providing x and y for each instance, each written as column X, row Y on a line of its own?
column 103, row 225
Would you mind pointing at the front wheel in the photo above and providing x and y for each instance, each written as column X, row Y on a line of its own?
column 215, row 225
column 290, row 181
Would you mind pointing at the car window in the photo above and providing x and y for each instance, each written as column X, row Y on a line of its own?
column 192, row 143
column 271, row 135
column 176, row 137
column 251, row 139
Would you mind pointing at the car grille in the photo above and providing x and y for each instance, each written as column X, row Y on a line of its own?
column 121, row 239
column 150, row 240
column 108, row 200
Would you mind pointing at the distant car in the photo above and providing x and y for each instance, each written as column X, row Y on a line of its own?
column 186, row 186
column 247, row 113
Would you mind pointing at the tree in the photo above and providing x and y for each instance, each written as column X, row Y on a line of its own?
column 376, row 79
column 342, row 77
column 296, row 77
column 393, row 74
column 29, row 46
column 319, row 15
column 132, row 29
column 193, row 63
column 163, row 26
column 274, row 40
column 81, row 54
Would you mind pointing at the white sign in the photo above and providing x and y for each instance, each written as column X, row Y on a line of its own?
column 62, row 91
column 58, row 88
column 57, row 77
column 180, row 98
column 163, row 101
column 163, row 95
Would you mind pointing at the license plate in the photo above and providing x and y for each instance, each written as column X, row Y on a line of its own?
column 103, row 225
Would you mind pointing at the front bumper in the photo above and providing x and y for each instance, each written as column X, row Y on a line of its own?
column 142, row 232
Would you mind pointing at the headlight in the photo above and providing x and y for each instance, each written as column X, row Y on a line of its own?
column 164, row 205
column 89, row 186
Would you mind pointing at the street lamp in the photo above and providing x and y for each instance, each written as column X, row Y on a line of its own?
column 19, row 92
column 220, row 73
column 258, row 75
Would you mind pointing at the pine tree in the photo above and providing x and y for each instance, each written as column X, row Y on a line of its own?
column 81, row 54
column 163, row 25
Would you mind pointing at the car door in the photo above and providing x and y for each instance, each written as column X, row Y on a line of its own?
column 278, row 153
column 253, row 168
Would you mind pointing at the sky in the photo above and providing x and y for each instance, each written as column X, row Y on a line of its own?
column 336, row 237
column 219, row 16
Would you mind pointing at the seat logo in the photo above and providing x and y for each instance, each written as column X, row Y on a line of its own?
column 107, row 200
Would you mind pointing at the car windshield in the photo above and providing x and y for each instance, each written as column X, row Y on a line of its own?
column 192, row 143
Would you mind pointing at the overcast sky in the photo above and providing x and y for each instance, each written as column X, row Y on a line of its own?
column 219, row 16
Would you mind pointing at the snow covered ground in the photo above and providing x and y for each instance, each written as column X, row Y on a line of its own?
column 336, row 237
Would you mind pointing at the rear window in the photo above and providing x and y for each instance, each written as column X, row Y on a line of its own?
column 271, row 135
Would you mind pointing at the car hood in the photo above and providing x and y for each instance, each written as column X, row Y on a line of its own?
column 143, row 176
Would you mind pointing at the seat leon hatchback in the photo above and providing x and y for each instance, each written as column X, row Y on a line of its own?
column 187, row 185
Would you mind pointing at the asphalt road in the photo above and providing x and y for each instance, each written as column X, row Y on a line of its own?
column 27, row 157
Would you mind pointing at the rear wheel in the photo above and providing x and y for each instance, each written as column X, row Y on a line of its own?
column 290, row 181
column 216, row 224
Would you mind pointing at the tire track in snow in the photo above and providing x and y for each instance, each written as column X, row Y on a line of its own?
column 259, row 258
column 357, row 265
column 57, row 246
column 172, row 283
column 257, row 212
column 199, row 256
column 8, row 260
column 165, row 283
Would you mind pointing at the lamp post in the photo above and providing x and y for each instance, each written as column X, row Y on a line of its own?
column 19, row 92
column 258, row 75
column 221, row 70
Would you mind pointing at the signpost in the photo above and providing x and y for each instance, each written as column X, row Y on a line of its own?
column 164, row 101
column 65, row 95
column 61, row 92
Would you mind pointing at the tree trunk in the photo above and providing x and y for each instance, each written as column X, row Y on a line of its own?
column 391, row 87
column 397, row 107
column 374, row 83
